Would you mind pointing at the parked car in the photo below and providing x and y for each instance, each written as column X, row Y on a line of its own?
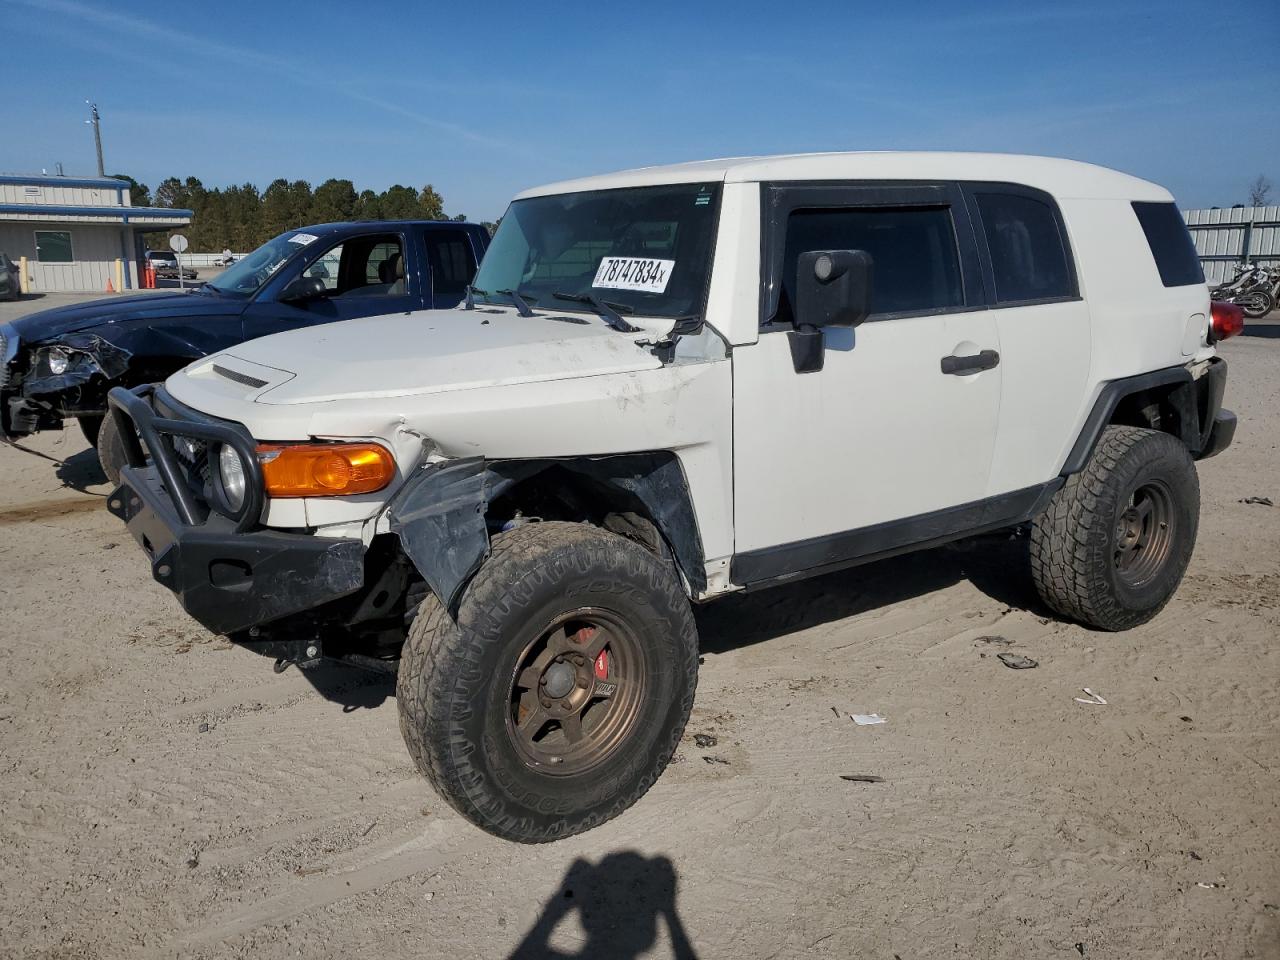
column 60, row 363
column 165, row 264
column 10, row 278
column 671, row 384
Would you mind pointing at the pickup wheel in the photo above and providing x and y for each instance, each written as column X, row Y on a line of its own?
column 110, row 450
column 90, row 426
column 557, row 697
column 1113, row 545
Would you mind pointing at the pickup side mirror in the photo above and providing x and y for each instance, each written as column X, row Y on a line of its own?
column 303, row 289
column 833, row 289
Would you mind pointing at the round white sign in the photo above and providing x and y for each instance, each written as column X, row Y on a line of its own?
column 177, row 243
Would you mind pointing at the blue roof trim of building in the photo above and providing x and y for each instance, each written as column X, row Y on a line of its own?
column 71, row 211
column 45, row 180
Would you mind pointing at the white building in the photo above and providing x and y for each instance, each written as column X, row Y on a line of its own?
column 72, row 230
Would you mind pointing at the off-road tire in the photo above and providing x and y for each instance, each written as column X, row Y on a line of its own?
column 1075, row 542
column 90, row 427
column 453, row 686
column 111, row 454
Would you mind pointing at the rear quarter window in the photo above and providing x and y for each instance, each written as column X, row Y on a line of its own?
column 1029, row 256
column 1170, row 243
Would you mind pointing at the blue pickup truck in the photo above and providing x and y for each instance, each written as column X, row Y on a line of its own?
column 60, row 363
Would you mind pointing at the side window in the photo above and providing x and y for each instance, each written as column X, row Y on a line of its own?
column 326, row 268
column 452, row 263
column 1171, row 244
column 1028, row 255
column 362, row 267
column 915, row 263
column 375, row 264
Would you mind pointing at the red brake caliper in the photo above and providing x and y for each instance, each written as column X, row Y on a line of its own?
column 602, row 658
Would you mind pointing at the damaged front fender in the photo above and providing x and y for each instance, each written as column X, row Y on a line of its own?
column 441, row 514
column 87, row 356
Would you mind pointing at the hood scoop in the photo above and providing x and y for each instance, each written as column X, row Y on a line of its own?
column 238, row 377
column 227, row 375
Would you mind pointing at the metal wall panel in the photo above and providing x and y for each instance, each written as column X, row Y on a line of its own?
column 95, row 248
column 1226, row 238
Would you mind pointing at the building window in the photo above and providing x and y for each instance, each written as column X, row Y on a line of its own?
column 54, row 246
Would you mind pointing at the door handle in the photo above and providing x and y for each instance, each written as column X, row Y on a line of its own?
column 960, row 366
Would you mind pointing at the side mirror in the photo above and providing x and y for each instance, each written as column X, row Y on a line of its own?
column 303, row 289
column 833, row 289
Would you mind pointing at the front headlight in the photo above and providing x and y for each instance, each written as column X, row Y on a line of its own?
column 231, row 471
column 58, row 360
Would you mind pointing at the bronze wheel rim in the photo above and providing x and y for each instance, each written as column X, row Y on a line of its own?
column 1144, row 534
column 576, row 692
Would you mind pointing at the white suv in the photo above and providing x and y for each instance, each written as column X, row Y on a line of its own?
column 668, row 385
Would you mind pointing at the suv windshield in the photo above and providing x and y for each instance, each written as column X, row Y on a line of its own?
column 646, row 250
column 244, row 277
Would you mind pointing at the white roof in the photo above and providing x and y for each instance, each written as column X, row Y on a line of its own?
column 1061, row 178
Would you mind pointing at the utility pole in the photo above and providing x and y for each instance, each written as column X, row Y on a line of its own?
column 97, row 136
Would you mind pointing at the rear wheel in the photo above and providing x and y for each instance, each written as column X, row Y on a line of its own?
column 1256, row 304
column 1115, row 541
column 110, row 449
column 559, row 694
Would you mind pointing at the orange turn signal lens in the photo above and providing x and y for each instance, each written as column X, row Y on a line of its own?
column 324, row 469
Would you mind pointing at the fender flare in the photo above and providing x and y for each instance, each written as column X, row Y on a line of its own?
column 440, row 514
column 1183, row 396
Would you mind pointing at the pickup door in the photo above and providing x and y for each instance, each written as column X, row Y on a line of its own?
column 369, row 274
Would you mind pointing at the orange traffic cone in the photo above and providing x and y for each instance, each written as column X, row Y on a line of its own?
column 110, row 288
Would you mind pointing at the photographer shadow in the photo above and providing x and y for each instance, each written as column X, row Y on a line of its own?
column 619, row 902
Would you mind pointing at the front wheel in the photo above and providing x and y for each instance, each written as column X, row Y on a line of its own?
column 111, row 453
column 557, row 697
column 90, row 427
column 1113, row 545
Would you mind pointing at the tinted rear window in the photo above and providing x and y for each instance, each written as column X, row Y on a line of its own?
column 1028, row 256
column 1170, row 243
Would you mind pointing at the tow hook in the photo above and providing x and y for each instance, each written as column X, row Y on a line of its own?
column 308, row 654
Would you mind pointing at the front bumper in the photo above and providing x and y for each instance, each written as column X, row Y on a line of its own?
column 227, row 577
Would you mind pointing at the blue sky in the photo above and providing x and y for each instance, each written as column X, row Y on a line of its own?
column 484, row 99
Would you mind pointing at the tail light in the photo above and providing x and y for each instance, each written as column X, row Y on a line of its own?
column 1225, row 320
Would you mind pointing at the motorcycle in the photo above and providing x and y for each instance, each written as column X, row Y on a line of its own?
column 1254, row 288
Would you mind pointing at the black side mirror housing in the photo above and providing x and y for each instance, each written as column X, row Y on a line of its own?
column 833, row 289
column 303, row 289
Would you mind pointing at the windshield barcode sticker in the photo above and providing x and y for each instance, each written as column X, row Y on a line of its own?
column 302, row 238
column 633, row 273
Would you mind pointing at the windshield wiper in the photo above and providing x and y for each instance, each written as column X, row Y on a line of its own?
column 522, row 303
column 606, row 309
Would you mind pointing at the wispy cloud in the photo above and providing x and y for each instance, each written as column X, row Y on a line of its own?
column 244, row 59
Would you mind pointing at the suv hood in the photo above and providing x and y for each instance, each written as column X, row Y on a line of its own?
column 83, row 316
column 424, row 352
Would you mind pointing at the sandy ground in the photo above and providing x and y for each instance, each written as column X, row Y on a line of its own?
column 165, row 794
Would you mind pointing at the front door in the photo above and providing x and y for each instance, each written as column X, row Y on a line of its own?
column 364, row 276
column 890, row 434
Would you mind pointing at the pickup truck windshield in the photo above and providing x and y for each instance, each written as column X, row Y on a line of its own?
column 244, row 277
column 647, row 250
